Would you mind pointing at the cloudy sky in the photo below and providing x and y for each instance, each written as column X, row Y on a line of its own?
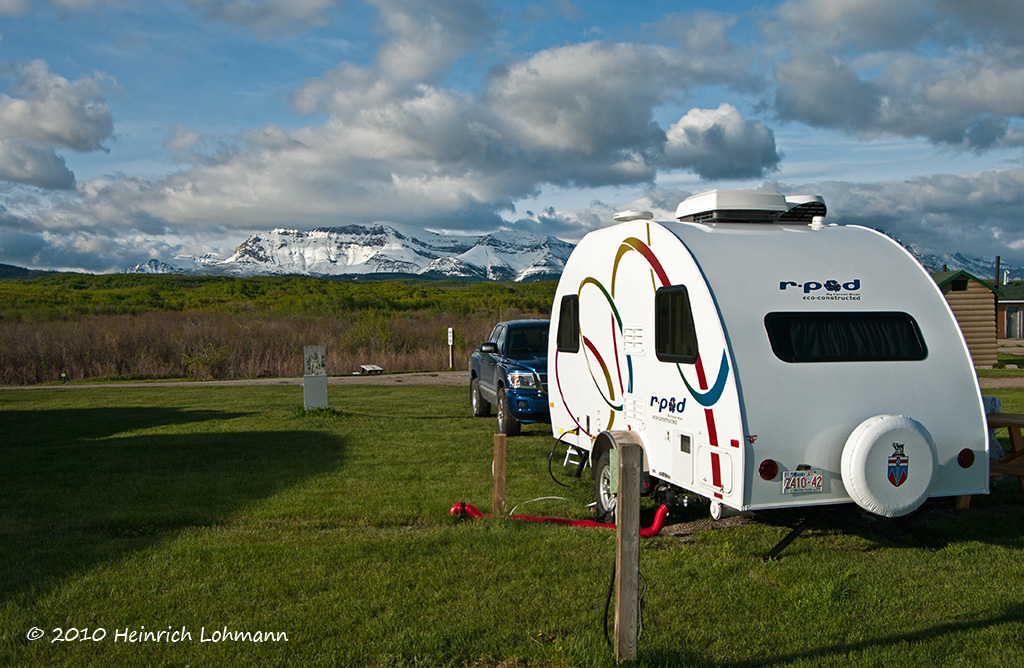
column 139, row 129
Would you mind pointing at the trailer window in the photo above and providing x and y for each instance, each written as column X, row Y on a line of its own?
column 569, row 324
column 675, row 339
column 845, row 337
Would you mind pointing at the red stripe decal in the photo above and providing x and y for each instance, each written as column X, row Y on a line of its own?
column 593, row 349
column 646, row 251
column 702, row 380
column 716, row 471
column 712, row 432
column 735, row 443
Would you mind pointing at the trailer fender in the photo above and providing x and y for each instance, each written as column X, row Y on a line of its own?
column 888, row 465
column 609, row 440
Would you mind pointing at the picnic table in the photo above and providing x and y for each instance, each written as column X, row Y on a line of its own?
column 1011, row 464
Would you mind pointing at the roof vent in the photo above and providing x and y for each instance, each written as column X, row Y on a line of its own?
column 803, row 209
column 626, row 216
column 749, row 206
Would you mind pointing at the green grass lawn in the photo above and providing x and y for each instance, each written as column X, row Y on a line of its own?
column 198, row 508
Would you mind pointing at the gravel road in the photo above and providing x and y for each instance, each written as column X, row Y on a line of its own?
column 443, row 378
column 458, row 378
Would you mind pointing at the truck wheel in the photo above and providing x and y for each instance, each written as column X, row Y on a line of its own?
column 605, row 499
column 507, row 423
column 481, row 407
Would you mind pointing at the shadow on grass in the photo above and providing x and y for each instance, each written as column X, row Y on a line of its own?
column 1011, row 615
column 69, row 503
column 55, row 426
column 996, row 519
column 935, row 526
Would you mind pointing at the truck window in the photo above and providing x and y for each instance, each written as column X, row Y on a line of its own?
column 845, row 337
column 569, row 324
column 675, row 339
column 532, row 340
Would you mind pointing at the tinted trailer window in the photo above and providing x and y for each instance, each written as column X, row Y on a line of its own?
column 845, row 337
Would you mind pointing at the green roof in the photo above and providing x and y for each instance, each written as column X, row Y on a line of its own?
column 943, row 278
column 1012, row 292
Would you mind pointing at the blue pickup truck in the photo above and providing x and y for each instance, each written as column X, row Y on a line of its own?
column 510, row 371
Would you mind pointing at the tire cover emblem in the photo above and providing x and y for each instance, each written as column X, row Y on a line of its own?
column 899, row 465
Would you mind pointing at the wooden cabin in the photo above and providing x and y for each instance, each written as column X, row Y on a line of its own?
column 1010, row 311
column 973, row 303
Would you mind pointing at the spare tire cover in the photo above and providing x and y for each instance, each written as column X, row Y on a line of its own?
column 888, row 465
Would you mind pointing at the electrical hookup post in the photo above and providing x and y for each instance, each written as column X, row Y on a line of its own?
column 627, row 552
column 314, row 379
column 451, row 349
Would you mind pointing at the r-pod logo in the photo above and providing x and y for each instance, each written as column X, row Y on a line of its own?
column 831, row 285
column 672, row 405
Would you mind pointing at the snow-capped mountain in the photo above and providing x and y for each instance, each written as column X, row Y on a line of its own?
column 983, row 268
column 187, row 262
column 153, row 267
column 386, row 248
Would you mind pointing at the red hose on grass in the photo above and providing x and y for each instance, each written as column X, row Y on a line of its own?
column 653, row 530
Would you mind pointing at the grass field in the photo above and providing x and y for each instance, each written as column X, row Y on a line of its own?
column 191, row 510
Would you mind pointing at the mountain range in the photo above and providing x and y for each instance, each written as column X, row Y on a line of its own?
column 382, row 248
column 398, row 250
column 983, row 268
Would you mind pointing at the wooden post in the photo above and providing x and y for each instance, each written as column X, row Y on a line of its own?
column 627, row 552
column 498, row 486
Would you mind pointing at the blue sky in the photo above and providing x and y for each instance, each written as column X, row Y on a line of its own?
column 134, row 130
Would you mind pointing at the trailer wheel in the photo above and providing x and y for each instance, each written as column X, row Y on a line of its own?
column 507, row 423
column 481, row 407
column 604, row 497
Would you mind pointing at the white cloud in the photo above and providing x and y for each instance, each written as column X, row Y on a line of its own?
column 49, row 112
column 975, row 214
column 862, row 24
column 570, row 116
column 34, row 166
column 587, row 99
column 721, row 144
column 936, row 69
column 822, row 91
column 426, row 38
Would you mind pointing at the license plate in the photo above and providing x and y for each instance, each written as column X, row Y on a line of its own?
column 801, row 482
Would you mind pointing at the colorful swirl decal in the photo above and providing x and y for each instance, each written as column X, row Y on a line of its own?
column 602, row 376
column 711, row 397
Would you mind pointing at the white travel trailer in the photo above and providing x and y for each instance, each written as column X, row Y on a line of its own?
column 764, row 359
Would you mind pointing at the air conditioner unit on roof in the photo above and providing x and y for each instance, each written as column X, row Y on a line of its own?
column 749, row 206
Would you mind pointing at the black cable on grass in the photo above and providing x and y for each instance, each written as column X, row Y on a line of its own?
column 551, row 455
column 639, row 604
column 608, row 605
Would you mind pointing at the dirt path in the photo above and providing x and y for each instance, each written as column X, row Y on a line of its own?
column 443, row 378
column 459, row 378
column 1000, row 383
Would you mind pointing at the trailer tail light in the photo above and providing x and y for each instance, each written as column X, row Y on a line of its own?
column 768, row 469
column 966, row 458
